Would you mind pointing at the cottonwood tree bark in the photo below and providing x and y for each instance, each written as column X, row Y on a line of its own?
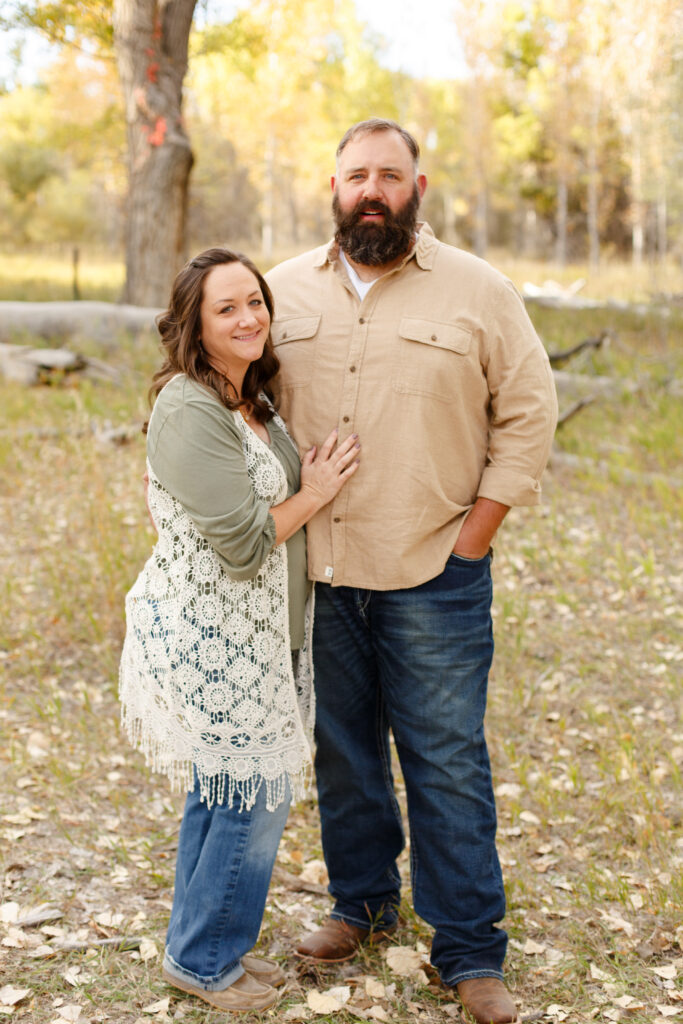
column 151, row 41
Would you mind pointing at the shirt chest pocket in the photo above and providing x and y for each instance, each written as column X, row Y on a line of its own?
column 294, row 340
column 431, row 358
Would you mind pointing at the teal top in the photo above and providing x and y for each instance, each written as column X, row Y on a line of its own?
column 194, row 447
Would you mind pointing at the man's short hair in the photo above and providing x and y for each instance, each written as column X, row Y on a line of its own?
column 379, row 124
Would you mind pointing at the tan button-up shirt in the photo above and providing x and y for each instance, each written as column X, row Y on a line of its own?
column 440, row 372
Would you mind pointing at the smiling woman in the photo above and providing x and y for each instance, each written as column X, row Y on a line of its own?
column 234, row 321
column 216, row 673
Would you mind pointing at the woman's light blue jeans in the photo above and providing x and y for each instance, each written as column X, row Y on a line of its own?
column 225, row 860
column 415, row 661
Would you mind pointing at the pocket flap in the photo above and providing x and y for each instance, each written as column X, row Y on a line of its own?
column 438, row 335
column 294, row 328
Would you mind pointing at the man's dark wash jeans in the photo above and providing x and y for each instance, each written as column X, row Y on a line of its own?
column 415, row 661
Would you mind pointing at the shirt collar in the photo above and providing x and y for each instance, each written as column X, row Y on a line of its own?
column 424, row 249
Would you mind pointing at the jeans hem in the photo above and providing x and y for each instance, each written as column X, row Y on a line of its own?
column 363, row 922
column 211, row 983
column 484, row 972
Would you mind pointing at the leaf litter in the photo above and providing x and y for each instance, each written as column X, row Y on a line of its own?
column 585, row 729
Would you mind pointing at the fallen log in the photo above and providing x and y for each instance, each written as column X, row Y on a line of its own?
column 573, row 409
column 55, row 321
column 557, row 358
column 29, row 366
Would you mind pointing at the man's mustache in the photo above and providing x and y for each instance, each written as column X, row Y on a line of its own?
column 370, row 207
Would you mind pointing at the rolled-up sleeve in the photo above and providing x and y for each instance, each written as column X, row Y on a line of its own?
column 523, row 404
column 194, row 448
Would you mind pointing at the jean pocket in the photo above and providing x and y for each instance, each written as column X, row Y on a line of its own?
column 464, row 560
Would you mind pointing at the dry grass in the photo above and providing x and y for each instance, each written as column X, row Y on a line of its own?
column 42, row 277
column 585, row 722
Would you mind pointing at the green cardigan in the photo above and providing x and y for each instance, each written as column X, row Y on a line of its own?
column 194, row 447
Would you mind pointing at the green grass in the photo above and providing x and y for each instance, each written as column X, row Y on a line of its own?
column 41, row 277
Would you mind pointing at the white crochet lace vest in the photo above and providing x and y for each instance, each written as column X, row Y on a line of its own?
column 206, row 679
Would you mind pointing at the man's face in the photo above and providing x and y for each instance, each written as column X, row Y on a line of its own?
column 376, row 198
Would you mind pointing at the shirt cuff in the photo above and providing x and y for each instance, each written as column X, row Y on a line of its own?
column 509, row 487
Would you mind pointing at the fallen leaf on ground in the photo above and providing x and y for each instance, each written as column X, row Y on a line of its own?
column 511, row 789
column 617, row 924
column 667, row 1011
column 9, row 912
column 328, row 1002
column 629, row 1003
column 558, row 1012
column 374, row 988
column 532, row 948
column 10, row 996
column 159, row 1007
column 70, row 1013
column 315, row 872
column 340, row 992
column 15, row 939
column 377, row 1013
column 668, row 972
column 297, row 1012
column 148, row 950
column 598, row 975
column 403, row 960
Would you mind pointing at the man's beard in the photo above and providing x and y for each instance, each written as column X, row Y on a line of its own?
column 372, row 244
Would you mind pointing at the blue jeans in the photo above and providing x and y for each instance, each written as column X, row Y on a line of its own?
column 415, row 661
column 225, row 860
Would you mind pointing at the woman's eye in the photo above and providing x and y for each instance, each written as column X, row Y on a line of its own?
column 227, row 309
column 256, row 302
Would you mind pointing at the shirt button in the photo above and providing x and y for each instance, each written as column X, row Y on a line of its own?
column 434, row 337
column 337, row 519
column 345, row 419
column 361, row 319
column 352, row 369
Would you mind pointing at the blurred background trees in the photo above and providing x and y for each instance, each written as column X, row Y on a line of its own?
column 558, row 137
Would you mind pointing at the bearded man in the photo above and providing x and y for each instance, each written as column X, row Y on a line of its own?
column 427, row 354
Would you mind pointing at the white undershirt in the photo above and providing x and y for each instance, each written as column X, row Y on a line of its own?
column 362, row 287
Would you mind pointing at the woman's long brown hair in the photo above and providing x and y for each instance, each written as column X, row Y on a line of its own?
column 180, row 330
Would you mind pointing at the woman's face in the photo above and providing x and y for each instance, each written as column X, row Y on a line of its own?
column 234, row 319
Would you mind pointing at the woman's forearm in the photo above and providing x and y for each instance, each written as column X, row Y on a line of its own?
column 290, row 515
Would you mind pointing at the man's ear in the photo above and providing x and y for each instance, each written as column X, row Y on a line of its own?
column 333, row 182
column 421, row 181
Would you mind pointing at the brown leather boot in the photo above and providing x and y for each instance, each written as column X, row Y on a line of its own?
column 487, row 1001
column 336, row 940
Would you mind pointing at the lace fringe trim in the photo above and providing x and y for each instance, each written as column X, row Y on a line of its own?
column 220, row 787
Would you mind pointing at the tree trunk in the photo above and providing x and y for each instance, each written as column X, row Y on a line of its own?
column 268, row 203
column 151, row 41
column 661, row 220
column 450, row 234
column 593, row 235
column 561, row 222
column 593, row 184
column 637, row 229
column 481, row 233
